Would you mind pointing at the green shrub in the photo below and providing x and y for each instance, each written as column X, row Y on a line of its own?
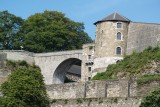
column 24, row 87
column 152, row 100
column 10, row 63
column 23, row 63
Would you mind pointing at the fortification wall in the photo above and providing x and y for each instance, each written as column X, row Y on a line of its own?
column 141, row 36
column 98, row 102
column 99, row 89
column 19, row 55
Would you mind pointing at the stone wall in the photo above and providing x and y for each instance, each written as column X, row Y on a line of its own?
column 16, row 55
column 141, row 36
column 106, row 39
column 99, row 89
column 98, row 102
column 87, row 61
column 90, row 89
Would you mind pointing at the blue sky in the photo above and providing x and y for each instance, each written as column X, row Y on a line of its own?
column 87, row 11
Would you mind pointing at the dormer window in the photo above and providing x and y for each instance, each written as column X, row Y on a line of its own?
column 119, row 36
column 119, row 25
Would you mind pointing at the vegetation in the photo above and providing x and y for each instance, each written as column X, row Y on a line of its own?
column 133, row 65
column 148, row 78
column 152, row 100
column 9, row 26
column 24, row 87
column 41, row 32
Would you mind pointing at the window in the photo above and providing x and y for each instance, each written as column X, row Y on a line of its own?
column 102, row 31
column 89, row 69
column 119, row 25
column 89, row 56
column 118, row 50
column 119, row 37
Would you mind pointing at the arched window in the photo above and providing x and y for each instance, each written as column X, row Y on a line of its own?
column 118, row 50
column 119, row 25
column 119, row 36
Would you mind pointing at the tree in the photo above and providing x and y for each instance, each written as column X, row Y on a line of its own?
column 9, row 26
column 52, row 31
column 152, row 100
column 24, row 88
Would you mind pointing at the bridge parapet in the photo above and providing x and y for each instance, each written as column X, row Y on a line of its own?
column 48, row 62
column 59, row 53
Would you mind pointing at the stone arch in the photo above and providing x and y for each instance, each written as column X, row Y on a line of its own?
column 63, row 67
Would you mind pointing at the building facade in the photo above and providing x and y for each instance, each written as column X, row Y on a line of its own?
column 116, row 36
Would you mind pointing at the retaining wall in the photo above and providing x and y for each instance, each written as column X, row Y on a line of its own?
column 100, row 89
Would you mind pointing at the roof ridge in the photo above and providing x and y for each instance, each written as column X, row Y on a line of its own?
column 114, row 17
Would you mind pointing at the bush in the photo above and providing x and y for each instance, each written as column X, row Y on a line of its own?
column 152, row 100
column 24, row 88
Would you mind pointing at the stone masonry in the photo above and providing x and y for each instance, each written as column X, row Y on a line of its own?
column 116, row 36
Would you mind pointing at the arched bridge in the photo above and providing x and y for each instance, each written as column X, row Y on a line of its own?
column 53, row 65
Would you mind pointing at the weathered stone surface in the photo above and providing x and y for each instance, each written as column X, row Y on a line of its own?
column 100, row 89
column 98, row 102
column 141, row 36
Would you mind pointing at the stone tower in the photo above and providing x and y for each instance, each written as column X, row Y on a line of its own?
column 109, row 47
column 111, row 40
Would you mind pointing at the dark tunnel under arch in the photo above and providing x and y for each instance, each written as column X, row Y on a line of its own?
column 61, row 70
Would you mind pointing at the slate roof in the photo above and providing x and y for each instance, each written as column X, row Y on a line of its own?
column 114, row 17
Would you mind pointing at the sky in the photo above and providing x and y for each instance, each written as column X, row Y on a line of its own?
column 87, row 11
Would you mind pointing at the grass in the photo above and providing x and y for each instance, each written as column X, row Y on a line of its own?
column 148, row 78
column 131, row 65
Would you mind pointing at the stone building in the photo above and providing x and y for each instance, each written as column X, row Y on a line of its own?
column 116, row 36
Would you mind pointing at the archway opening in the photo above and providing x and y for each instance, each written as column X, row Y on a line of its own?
column 68, row 71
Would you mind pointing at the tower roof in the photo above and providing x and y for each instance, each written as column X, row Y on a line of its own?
column 114, row 17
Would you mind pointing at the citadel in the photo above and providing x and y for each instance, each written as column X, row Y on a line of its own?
column 116, row 37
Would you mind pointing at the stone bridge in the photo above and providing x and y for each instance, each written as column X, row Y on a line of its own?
column 53, row 65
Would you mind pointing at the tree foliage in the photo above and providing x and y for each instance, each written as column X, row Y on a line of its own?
column 24, row 88
column 52, row 31
column 9, row 26
column 152, row 100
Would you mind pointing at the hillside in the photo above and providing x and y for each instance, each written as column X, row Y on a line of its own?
column 144, row 67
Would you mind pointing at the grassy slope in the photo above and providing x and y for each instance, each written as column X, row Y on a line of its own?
column 132, row 65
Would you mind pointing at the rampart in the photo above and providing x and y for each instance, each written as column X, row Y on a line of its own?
column 100, row 89
column 141, row 36
column 17, row 55
column 98, row 102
